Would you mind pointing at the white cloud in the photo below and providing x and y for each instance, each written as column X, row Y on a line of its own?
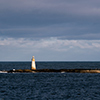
column 50, row 43
column 49, row 49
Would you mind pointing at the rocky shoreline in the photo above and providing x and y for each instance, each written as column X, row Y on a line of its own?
column 55, row 70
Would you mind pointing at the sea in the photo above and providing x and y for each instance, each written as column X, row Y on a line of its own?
column 50, row 86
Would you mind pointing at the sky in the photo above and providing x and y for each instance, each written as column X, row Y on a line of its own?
column 50, row 30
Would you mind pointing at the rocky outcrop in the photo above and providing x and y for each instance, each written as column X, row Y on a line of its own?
column 55, row 70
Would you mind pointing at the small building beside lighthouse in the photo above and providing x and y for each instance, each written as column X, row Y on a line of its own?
column 33, row 66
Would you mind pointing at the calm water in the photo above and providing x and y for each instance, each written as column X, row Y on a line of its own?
column 49, row 86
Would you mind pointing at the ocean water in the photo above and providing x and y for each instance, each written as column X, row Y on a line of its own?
column 50, row 86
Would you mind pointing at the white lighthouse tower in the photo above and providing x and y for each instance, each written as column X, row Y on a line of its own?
column 33, row 66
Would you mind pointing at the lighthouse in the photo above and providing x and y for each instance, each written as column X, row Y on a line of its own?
column 33, row 66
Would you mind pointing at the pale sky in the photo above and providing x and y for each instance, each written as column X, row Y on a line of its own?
column 50, row 30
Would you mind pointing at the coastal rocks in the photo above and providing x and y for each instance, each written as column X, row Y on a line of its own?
column 20, row 70
column 55, row 70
